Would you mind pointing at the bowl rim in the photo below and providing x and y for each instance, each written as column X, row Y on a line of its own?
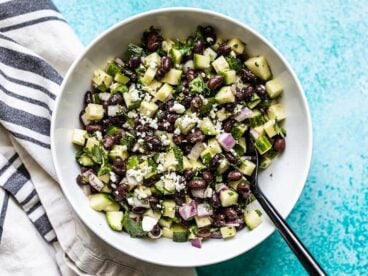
column 204, row 12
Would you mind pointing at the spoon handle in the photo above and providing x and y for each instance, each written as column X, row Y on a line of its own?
column 307, row 260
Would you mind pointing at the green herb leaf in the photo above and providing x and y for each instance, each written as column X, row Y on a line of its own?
column 197, row 85
column 98, row 155
column 133, row 51
column 133, row 227
column 258, row 212
column 234, row 63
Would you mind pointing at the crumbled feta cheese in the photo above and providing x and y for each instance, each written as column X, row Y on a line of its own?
column 134, row 177
column 113, row 186
column 209, row 40
column 238, row 108
column 98, row 135
column 164, row 140
column 113, row 177
column 233, row 54
column 132, row 114
column 177, row 131
column 153, row 65
column 178, row 108
column 148, row 223
column 172, row 179
column 218, row 127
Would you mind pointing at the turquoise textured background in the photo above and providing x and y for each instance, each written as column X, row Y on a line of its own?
column 326, row 43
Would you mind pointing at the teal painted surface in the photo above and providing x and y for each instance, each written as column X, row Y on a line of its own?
column 326, row 44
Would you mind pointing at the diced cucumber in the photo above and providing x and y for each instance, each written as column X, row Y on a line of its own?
column 153, row 87
column 229, row 76
column 228, row 198
column 223, row 166
column 133, row 162
column 270, row 128
column 186, row 164
column 176, row 55
column 91, row 142
column 148, row 109
column 115, row 220
column 274, row 88
column 152, row 60
column 252, row 219
column 167, row 233
column 276, row 111
column 225, row 95
column 120, row 78
column 131, row 102
column 105, row 188
column 185, row 124
column 259, row 67
column 148, row 76
column 236, row 45
column 208, row 52
column 170, row 162
column 256, row 119
column 102, row 202
column 164, row 93
column 263, row 144
column 101, row 78
column 254, row 101
column 180, row 233
column 207, row 127
column 238, row 130
column 196, row 165
column 165, row 222
column 213, row 146
column 178, row 154
column 85, row 160
column 119, row 151
column 247, row 167
column 201, row 62
column 206, row 157
column 79, row 137
column 118, row 88
column 217, row 43
column 228, row 232
column 168, row 206
column 265, row 162
column 172, row 77
column 143, row 192
column 222, row 114
column 94, row 112
column 167, row 45
column 220, row 65
column 202, row 221
column 112, row 68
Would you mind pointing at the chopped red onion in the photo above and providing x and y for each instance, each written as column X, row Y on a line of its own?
column 95, row 182
column 197, row 243
column 227, row 141
column 188, row 211
column 233, row 223
column 196, row 151
column 245, row 113
column 216, row 235
column 119, row 61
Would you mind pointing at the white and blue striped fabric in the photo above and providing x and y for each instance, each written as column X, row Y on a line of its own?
column 39, row 232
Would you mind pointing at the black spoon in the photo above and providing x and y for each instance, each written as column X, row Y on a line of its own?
column 306, row 259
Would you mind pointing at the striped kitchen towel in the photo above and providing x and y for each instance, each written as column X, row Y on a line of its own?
column 39, row 232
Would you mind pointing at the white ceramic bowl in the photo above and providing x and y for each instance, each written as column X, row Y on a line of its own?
column 289, row 172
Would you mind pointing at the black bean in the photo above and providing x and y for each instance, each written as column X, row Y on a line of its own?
column 161, row 114
column 134, row 62
column 224, row 50
column 234, row 176
column 230, row 157
column 187, row 148
column 228, row 125
column 219, row 220
column 88, row 98
column 120, row 192
column 139, row 210
column 247, row 76
column 198, row 47
column 84, row 169
column 108, row 142
column 215, row 161
column 190, row 75
column 197, row 184
column 196, row 104
column 165, row 125
column 261, row 91
column 230, row 214
column 166, row 63
column 248, row 93
column 188, row 174
column 105, row 104
column 94, row 127
column 160, row 73
column 156, row 231
column 153, row 143
column 204, row 233
column 179, row 199
column 279, row 144
column 172, row 117
column 153, row 40
column 153, row 202
column 195, row 137
column 178, row 139
column 116, row 99
column 119, row 170
column 186, row 91
column 106, row 122
column 229, row 107
column 244, row 189
column 118, row 162
column 207, row 176
column 215, row 82
column 209, row 35
column 169, row 104
column 187, row 100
